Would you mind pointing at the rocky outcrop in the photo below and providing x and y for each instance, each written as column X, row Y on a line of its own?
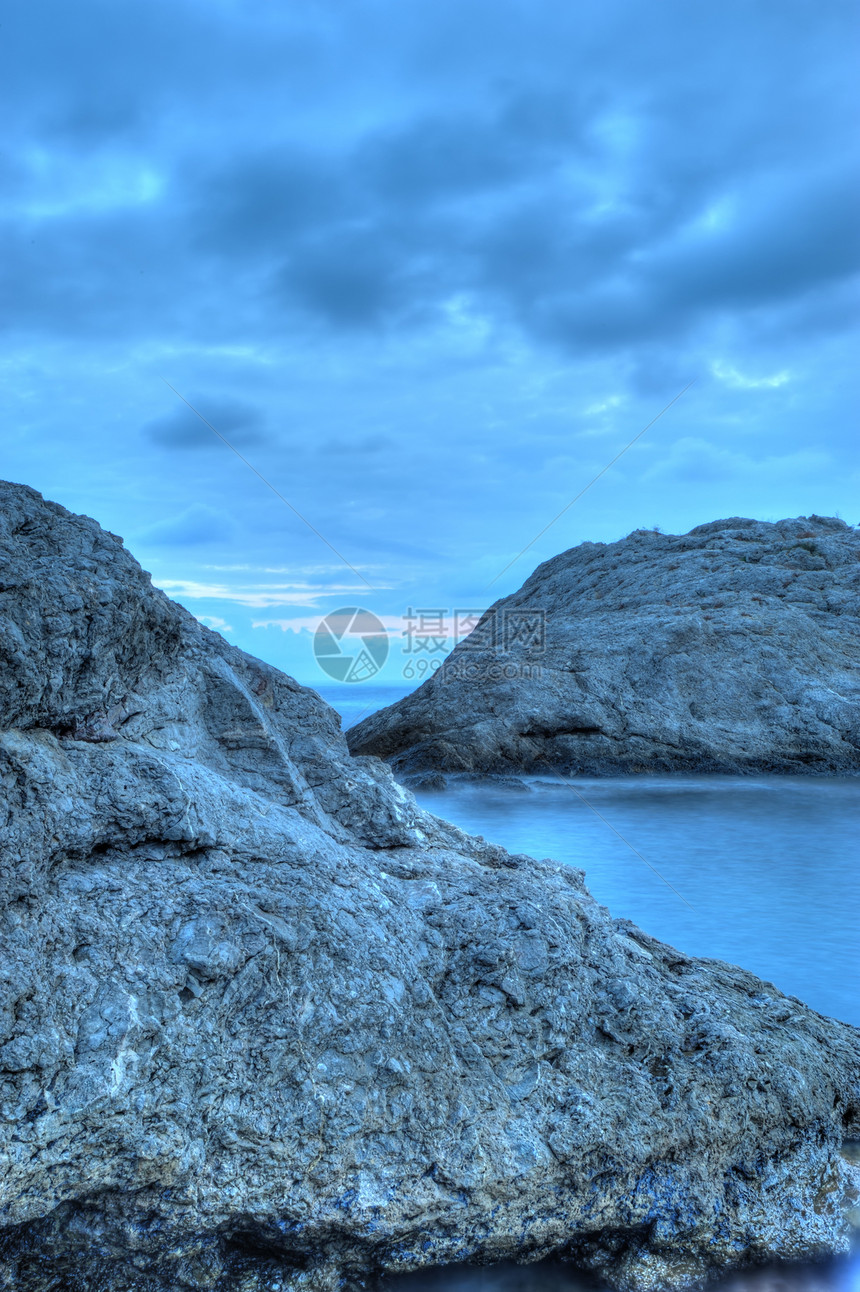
column 734, row 648
column 265, row 1024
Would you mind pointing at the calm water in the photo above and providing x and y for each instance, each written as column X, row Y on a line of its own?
column 830, row 1276
column 760, row 871
column 765, row 870
column 357, row 701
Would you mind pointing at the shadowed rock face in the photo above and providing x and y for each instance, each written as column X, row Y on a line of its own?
column 733, row 648
column 265, row 1024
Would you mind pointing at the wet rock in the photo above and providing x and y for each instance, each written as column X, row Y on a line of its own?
column 266, row 1024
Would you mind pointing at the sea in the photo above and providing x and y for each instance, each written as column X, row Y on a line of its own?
column 760, row 871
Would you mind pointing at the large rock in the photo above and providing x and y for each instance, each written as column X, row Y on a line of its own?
column 265, row 1024
column 734, row 648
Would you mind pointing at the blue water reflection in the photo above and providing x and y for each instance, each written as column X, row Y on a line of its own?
column 768, row 867
column 829, row 1276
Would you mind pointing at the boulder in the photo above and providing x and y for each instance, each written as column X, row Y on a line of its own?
column 266, row 1024
column 734, row 648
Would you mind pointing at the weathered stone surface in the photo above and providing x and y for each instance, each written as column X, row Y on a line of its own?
column 733, row 648
column 265, row 1024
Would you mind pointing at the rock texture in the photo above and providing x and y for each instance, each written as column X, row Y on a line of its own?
column 265, row 1024
column 734, row 648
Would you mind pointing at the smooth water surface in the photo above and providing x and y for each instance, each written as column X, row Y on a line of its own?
column 761, row 871
column 829, row 1276
column 360, row 699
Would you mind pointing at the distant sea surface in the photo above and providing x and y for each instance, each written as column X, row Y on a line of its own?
column 359, row 700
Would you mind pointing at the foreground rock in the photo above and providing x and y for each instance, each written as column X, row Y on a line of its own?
column 264, row 1024
column 734, row 648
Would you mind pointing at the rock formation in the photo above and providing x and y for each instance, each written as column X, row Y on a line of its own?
column 734, row 648
column 265, row 1024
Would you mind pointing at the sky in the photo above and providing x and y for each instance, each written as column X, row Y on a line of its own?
column 426, row 268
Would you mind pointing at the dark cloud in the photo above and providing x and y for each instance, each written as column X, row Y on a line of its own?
column 238, row 422
column 532, row 244
column 463, row 251
column 457, row 157
column 557, row 190
column 254, row 205
column 350, row 279
column 793, row 239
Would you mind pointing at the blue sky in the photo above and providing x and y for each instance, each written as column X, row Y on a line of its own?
column 428, row 267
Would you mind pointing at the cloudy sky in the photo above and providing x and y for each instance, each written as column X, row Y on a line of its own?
column 428, row 267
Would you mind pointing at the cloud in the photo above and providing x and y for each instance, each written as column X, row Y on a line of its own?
column 352, row 278
column 424, row 239
column 238, row 422
column 306, row 570
column 792, row 236
column 393, row 624
column 733, row 377
column 697, row 461
column 215, row 622
column 198, row 524
column 593, row 201
column 246, row 203
column 257, row 595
